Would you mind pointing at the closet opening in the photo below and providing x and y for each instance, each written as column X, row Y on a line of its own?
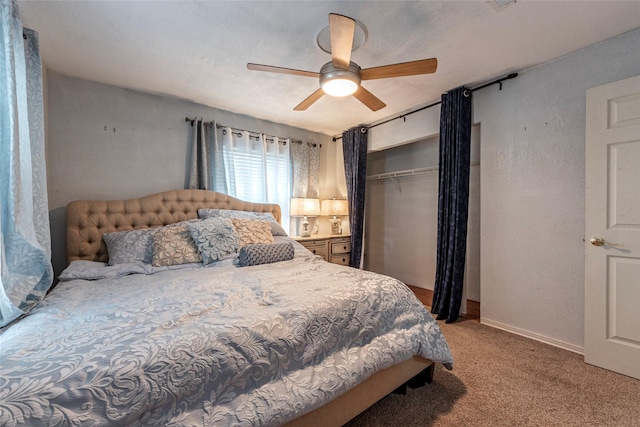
column 401, row 217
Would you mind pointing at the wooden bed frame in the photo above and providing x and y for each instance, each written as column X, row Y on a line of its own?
column 88, row 220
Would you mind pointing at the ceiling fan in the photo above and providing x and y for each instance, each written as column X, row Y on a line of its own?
column 341, row 76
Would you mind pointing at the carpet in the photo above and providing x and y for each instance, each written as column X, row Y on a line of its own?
column 503, row 379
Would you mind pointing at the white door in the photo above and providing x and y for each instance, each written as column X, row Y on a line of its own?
column 612, row 226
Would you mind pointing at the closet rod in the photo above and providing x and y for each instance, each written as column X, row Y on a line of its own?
column 402, row 116
column 406, row 172
column 296, row 141
column 410, row 172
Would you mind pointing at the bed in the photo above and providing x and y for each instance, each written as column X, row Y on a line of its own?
column 240, row 340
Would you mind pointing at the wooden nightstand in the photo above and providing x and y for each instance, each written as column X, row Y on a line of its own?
column 335, row 248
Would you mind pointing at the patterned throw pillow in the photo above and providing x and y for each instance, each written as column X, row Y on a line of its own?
column 250, row 231
column 215, row 238
column 276, row 229
column 173, row 246
column 130, row 246
column 265, row 253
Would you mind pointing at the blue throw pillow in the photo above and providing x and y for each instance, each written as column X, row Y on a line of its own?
column 264, row 253
column 215, row 238
column 276, row 229
column 130, row 246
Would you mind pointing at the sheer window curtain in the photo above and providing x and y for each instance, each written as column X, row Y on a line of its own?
column 305, row 164
column 25, row 242
column 250, row 166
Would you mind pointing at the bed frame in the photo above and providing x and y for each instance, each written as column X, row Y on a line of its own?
column 88, row 220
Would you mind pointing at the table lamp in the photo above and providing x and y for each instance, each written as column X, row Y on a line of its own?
column 335, row 208
column 304, row 207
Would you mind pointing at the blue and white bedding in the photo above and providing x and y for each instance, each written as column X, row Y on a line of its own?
column 215, row 344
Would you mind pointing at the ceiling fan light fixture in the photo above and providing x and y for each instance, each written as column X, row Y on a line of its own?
column 341, row 77
column 337, row 82
column 339, row 87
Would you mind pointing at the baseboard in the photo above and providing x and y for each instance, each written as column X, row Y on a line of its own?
column 473, row 311
column 534, row 336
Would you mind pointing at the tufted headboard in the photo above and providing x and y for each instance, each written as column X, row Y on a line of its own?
column 88, row 220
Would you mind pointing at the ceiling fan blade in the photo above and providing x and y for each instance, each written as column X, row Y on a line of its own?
column 342, row 29
column 282, row 70
column 423, row 66
column 310, row 100
column 369, row 99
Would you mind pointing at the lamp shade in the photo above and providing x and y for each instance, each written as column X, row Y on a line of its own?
column 305, row 207
column 335, row 207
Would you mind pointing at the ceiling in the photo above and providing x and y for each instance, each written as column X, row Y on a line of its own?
column 198, row 50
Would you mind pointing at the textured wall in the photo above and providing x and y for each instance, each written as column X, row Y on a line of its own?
column 105, row 142
column 532, row 188
column 532, row 225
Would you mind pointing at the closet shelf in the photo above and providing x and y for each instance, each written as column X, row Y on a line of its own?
column 408, row 172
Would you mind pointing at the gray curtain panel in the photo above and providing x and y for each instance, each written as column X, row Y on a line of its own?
column 354, row 148
column 200, row 177
column 453, row 203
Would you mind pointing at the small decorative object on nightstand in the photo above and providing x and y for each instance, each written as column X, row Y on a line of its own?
column 335, row 208
column 305, row 208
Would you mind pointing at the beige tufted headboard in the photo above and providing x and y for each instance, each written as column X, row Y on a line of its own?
column 88, row 220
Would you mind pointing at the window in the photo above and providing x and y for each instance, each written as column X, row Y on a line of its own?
column 253, row 167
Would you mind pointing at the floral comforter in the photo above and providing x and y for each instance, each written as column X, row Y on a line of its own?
column 201, row 346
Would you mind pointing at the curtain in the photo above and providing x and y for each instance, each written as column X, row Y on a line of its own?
column 354, row 148
column 25, row 242
column 305, row 166
column 252, row 167
column 200, row 177
column 453, row 203
column 278, row 174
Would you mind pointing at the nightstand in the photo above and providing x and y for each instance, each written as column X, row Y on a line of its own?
column 335, row 248
column 339, row 249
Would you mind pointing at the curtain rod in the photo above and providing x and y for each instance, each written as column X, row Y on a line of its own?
column 191, row 121
column 402, row 116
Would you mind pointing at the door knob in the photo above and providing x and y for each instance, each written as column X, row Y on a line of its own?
column 599, row 241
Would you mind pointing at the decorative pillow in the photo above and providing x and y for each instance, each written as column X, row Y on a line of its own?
column 265, row 253
column 173, row 246
column 215, row 238
column 250, row 231
column 276, row 229
column 130, row 246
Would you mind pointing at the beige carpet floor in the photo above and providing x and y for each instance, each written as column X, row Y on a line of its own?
column 502, row 379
